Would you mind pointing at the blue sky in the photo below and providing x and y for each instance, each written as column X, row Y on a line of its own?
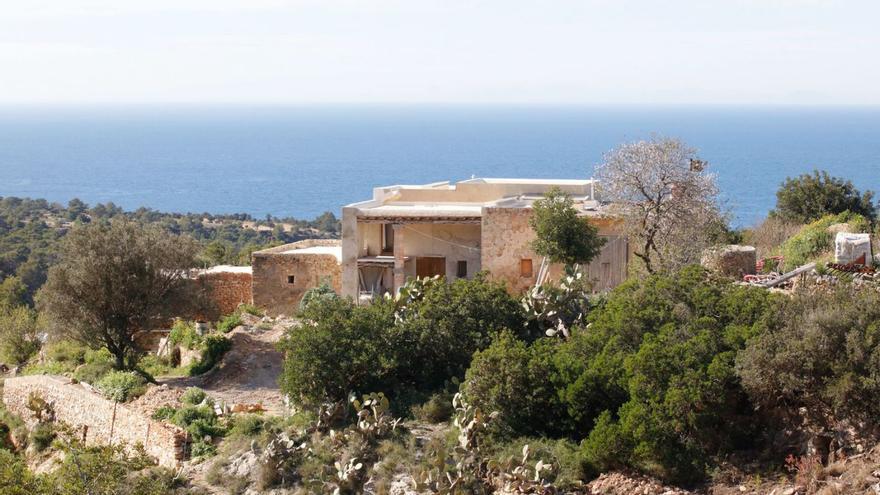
column 471, row 51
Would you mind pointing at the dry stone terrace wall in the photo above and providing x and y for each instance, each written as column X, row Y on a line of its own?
column 272, row 269
column 102, row 421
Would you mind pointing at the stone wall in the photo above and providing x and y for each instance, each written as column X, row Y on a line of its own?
column 506, row 236
column 102, row 421
column 506, row 240
column 272, row 269
column 227, row 289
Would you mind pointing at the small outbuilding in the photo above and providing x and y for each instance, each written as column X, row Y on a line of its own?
column 281, row 275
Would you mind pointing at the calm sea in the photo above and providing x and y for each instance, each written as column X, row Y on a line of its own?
column 301, row 161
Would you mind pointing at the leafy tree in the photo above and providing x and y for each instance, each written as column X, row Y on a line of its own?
column 13, row 292
column 19, row 334
column 114, row 280
column 808, row 197
column 217, row 253
column 666, row 199
column 561, row 235
column 75, row 209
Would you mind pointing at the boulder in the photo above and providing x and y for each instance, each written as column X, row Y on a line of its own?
column 731, row 261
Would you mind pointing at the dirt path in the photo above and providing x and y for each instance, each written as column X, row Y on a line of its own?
column 247, row 374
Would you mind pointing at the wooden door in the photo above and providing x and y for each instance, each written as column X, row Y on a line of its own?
column 429, row 266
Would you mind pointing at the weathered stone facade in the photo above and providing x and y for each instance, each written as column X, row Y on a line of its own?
column 506, row 247
column 506, row 236
column 101, row 421
column 227, row 288
column 281, row 275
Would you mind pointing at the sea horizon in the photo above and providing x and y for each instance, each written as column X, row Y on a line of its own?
column 300, row 160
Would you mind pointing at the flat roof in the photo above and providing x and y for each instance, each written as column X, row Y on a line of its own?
column 542, row 182
column 426, row 209
column 331, row 250
column 227, row 269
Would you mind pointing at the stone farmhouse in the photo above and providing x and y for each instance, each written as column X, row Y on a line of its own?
column 457, row 230
column 451, row 230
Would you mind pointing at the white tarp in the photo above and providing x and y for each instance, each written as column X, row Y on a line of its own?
column 852, row 248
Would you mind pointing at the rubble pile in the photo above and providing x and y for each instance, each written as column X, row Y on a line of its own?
column 616, row 483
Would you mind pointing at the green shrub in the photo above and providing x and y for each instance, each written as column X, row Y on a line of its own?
column 15, row 429
column 342, row 351
column 247, row 425
column 202, row 449
column 820, row 364
column 650, row 384
column 42, row 436
column 156, row 366
column 66, row 351
column 666, row 346
column 19, row 334
column 229, row 322
column 121, row 386
column 186, row 415
column 519, row 381
column 184, row 334
column 607, row 448
column 809, row 197
column 164, row 413
column 322, row 291
column 250, row 309
column 411, row 347
column 205, row 428
column 17, row 479
column 92, row 372
column 814, row 239
column 214, row 346
column 95, row 356
column 193, row 396
column 437, row 409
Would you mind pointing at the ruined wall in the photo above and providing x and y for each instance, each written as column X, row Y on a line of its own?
column 451, row 241
column 227, row 290
column 103, row 421
column 273, row 267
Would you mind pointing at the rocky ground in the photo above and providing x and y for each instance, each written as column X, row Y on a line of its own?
column 248, row 373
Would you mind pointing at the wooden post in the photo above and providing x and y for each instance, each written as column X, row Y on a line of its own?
column 399, row 260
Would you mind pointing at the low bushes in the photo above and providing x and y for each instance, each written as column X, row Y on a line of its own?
column 214, row 346
column 121, row 386
column 412, row 346
column 814, row 239
column 229, row 322
column 825, row 362
column 650, row 383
